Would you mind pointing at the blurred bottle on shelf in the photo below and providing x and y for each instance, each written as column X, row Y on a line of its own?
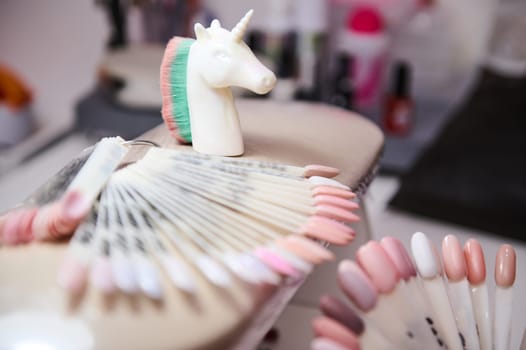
column 342, row 84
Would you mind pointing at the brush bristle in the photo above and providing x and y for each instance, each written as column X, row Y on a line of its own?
column 173, row 88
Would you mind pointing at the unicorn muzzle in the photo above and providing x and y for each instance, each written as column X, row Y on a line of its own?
column 265, row 84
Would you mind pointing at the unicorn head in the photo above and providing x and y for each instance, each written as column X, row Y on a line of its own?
column 227, row 61
column 196, row 76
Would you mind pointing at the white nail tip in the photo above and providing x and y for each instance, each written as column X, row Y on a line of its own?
column 424, row 256
column 179, row 274
column 213, row 271
column 320, row 180
column 236, row 264
column 123, row 273
column 148, row 278
column 265, row 273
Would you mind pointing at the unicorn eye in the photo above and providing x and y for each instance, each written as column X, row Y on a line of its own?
column 221, row 55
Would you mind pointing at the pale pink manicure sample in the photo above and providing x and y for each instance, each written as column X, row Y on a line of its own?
column 453, row 257
column 320, row 170
column 322, row 230
column 27, row 224
column 399, row 256
column 328, row 328
column 334, row 225
column 336, row 213
column 326, row 344
column 357, row 285
column 333, row 191
column 373, row 259
column 75, row 206
column 12, row 227
column 335, row 201
column 101, row 275
column 475, row 263
column 276, row 262
column 40, row 223
column 72, row 275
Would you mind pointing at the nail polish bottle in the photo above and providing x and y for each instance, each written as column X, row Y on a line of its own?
column 399, row 114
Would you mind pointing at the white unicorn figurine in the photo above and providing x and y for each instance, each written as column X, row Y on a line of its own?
column 196, row 76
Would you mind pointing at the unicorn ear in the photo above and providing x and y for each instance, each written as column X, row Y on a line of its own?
column 200, row 32
column 215, row 24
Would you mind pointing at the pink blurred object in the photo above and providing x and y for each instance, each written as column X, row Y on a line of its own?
column 394, row 12
column 366, row 41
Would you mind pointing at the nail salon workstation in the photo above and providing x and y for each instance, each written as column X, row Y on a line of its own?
column 197, row 234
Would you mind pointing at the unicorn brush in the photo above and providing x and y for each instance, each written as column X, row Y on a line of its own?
column 193, row 71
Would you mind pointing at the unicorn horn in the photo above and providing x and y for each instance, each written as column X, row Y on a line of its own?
column 239, row 29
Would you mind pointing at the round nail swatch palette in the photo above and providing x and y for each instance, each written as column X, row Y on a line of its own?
column 175, row 212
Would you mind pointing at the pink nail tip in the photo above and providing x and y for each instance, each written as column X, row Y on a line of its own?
column 11, row 228
column 275, row 262
column 336, row 213
column 324, row 231
column 399, row 256
column 75, row 206
column 335, row 201
column 333, row 191
column 376, row 263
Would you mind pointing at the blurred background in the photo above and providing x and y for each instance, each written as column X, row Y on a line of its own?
column 444, row 79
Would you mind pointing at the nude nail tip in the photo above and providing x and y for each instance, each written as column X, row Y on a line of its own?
column 315, row 248
column 399, row 256
column 453, row 257
column 505, row 266
column 301, row 250
column 373, row 259
column 475, row 263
